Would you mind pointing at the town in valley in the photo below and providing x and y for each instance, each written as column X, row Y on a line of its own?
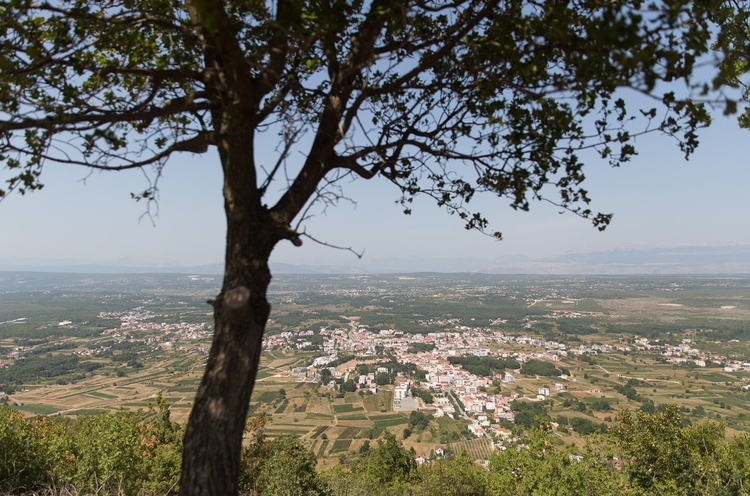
column 445, row 362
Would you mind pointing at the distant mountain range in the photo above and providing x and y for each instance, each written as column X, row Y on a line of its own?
column 726, row 259
column 733, row 259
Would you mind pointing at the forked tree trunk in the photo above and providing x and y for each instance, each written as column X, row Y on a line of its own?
column 213, row 439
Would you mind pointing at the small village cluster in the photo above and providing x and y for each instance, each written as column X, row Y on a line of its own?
column 465, row 393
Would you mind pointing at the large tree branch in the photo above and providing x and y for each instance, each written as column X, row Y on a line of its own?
column 328, row 135
column 97, row 117
column 196, row 144
column 277, row 48
column 228, row 68
column 446, row 42
column 119, row 18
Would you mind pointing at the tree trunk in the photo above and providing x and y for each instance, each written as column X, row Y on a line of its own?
column 213, row 438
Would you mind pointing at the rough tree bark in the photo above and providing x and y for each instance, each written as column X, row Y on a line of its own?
column 213, row 440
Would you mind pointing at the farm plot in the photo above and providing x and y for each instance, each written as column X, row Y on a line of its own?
column 349, row 432
column 346, row 408
column 479, row 449
column 301, row 408
column 38, row 409
column 267, row 397
column 318, row 431
column 380, row 402
column 282, row 406
column 341, row 445
column 319, row 416
column 354, row 416
column 279, row 430
column 98, row 394
column 319, row 405
column 389, row 420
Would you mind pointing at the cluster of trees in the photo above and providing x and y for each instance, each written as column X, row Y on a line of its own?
column 41, row 364
column 628, row 390
column 420, row 347
column 30, row 369
column 540, row 367
column 425, row 394
column 587, row 359
column 107, row 453
column 280, row 466
column 600, row 405
column 138, row 454
column 419, row 421
column 394, row 369
column 343, row 358
column 581, row 425
column 530, row 414
column 575, row 404
column 348, row 386
column 484, row 366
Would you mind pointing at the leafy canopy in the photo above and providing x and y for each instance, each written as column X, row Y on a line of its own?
column 446, row 99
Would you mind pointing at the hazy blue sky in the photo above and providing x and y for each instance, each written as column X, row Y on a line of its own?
column 658, row 200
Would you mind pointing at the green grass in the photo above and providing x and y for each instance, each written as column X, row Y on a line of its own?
column 301, row 408
column 349, row 433
column 390, row 422
column 318, row 431
column 97, row 394
column 345, row 408
column 388, row 416
column 283, row 432
column 318, row 416
column 267, row 397
column 87, row 411
column 341, row 445
column 355, row 416
column 717, row 377
column 448, row 425
column 39, row 409
column 183, row 389
column 282, row 406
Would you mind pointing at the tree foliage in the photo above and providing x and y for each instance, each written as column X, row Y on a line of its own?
column 442, row 99
column 484, row 366
column 122, row 453
column 107, row 453
column 664, row 457
column 530, row 414
column 458, row 476
column 279, row 467
column 540, row 367
column 539, row 468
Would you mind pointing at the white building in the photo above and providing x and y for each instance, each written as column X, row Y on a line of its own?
column 399, row 393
